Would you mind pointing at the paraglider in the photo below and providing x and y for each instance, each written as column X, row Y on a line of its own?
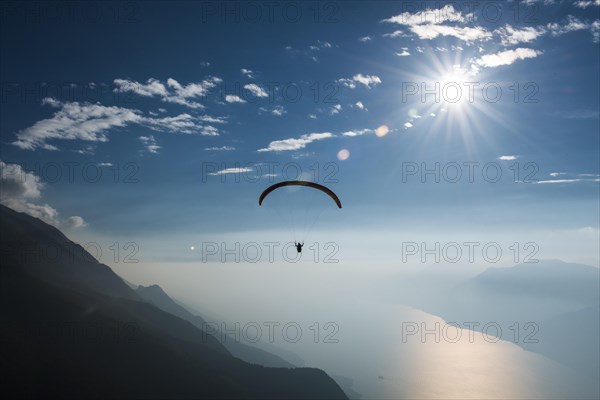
column 322, row 188
column 305, row 203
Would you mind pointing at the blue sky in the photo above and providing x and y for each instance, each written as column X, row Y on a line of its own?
column 179, row 98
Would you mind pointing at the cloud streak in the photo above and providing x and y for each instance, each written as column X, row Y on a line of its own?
column 92, row 122
column 296, row 143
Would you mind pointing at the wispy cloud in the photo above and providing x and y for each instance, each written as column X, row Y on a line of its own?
column 434, row 22
column 171, row 92
column 573, row 24
column 247, row 72
column 335, row 109
column 506, row 57
column 222, row 148
column 233, row 98
column 568, row 180
column 465, row 33
column 366, row 80
column 256, row 90
column 296, row 143
column 365, row 39
column 403, row 53
column 311, row 50
column 150, row 144
column 92, row 122
column 511, row 36
column 75, row 121
column 237, row 170
column 275, row 110
column 320, row 45
column 358, row 132
column 507, row 158
column 360, row 105
column 394, row 34
column 586, row 3
column 428, row 16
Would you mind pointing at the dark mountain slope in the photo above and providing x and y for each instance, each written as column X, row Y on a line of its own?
column 155, row 295
column 64, row 336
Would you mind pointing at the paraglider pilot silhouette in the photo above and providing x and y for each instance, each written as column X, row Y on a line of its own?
column 299, row 246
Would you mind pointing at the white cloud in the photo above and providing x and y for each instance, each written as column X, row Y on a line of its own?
column 232, row 171
column 408, row 125
column 86, row 150
column 587, row 3
column 16, row 182
column 358, row 132
column 404, row 52
column 232, row 98
column 247, row 72
column 317, row 47
column 76, row 222
column 19, row 188
column 222, row 148
column 511, row 36
column 506, row 57
column 560, row 181
column 572, row 24
column 365, row 39
column 182, row 123
column 430, row 23
column 335, row 109
column 466, row 34
column 507, row 158
column 367, row 80
column 214, row 120
column 312, row 116
column 394, row 34
column 150, row 144
column 531, row 2
column 360, row 105
column 172, row 92
column 75, row 121
column 276, row 110
column 428, row 16
column 209, row 130
column 296, row 143
column 256, row 90
column 152, row 87
column 105, row 164
column 555, row 174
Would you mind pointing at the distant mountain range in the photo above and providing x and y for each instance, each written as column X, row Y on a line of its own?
column 70, row 327
column 560, row 299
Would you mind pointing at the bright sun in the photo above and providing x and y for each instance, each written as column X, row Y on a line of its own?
column 455, row 87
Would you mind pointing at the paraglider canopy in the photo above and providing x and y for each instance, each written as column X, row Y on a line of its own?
column 322, row 188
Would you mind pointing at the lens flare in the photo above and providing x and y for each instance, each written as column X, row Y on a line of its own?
column 382, row 131
column 343, row 154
